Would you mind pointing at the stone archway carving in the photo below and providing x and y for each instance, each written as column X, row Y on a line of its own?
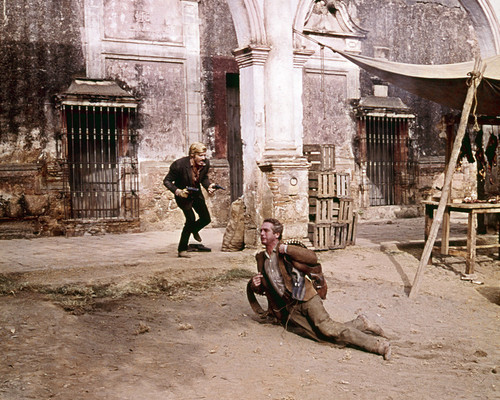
column 248, row 22
column 486, row 24
column 483, row 14
column 336, row 9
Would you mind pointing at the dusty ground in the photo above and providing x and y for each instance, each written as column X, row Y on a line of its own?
column 77, row 324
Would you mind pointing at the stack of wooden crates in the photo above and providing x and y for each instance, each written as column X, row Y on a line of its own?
column 331, row 215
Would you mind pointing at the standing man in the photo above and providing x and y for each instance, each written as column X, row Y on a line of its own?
column 283, row 278
column 183, row 180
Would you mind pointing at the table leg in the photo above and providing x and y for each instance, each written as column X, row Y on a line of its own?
column 429, row 217
column 445, row 237
column 471, row 243
column 498, row 230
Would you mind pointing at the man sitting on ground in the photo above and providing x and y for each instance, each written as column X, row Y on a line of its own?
column 294, row 301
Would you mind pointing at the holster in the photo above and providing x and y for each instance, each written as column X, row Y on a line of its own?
column 315, row 274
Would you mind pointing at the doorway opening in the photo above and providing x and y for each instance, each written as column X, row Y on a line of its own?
column 234, row 142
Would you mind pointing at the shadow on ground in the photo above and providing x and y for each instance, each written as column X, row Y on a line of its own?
column 492, row 294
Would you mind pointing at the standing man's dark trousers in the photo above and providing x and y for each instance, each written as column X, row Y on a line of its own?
column 192, row 224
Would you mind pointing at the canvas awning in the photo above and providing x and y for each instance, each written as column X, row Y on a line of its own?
column 445, row 84
column 457, row 86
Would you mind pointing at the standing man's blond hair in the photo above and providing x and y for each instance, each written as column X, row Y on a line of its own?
column 197, row 148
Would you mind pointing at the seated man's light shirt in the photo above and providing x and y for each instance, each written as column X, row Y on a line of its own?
column 273, row 271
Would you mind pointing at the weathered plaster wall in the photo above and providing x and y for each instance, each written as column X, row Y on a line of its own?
column 217, row 41
column 179, row 92
column 40, row 52
column 154, row 49
column 326, row 109
column 160, row 86
column 430, row 32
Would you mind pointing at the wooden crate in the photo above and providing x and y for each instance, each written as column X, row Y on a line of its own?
column 313, row 183
column 321, row 156
column 327, row 182
column 328, row 236
column 351, row 230
column 338, row 236
column 319, row 235
column 331, row 209
column 343, row 184
column 313, row 154
column 327, row 157
column 325, row 210
column 345, row 210
column 312, row 209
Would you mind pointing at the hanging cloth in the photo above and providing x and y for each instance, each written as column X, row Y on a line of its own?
column 466, row 150
column 480, row 157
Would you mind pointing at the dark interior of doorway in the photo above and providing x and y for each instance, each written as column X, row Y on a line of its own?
column 234, row 143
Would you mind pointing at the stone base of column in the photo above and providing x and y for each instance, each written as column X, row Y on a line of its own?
column 364, row 190
column 288, row 181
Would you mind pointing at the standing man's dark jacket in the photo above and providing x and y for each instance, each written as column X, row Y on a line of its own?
column 180, row 176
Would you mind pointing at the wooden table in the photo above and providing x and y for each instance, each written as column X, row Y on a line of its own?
column 472, row 209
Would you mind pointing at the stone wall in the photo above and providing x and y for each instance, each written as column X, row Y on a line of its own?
column 158, row 208
column 217, row 41
column 47, row 44
column 40, row 52
column 176, row 70
column 430, row 32
column 166, row 114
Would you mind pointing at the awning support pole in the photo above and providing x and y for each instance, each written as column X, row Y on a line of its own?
column 475, row 80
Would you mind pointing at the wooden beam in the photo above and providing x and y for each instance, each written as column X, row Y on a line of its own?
column 475, row 80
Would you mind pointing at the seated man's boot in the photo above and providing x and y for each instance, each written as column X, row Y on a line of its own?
column 368, row 326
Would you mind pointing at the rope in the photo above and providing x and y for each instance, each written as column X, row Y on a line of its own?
column 322, row 55
column 473, row 77
column 314, row 40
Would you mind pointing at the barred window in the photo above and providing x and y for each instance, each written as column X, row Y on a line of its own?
column 100, row 151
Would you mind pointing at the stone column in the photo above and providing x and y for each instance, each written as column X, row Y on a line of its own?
column 287, row 181
column 275, row 172
column 91, row 35
column 300, row 57
column 279, row 76
column 285, row 169
column 251, row 61
column 191, row 31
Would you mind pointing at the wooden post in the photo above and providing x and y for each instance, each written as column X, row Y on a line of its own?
column 474, row 83
column 470, row 260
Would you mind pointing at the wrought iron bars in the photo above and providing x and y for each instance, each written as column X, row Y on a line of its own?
column 100, row 146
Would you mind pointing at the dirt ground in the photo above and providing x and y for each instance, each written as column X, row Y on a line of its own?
column 159, row 329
